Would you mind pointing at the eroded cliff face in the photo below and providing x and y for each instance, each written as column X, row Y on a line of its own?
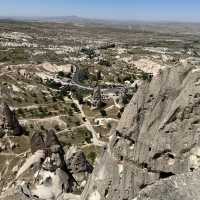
column 48, row 173
column 9, row 122
column 157, row 140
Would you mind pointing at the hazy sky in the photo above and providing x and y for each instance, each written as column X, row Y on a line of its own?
column 153, row 10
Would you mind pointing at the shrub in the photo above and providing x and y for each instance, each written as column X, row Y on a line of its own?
column 92, row 156
column 70, row 112
column 40, row 109
column 31, row 126
column 33, row 95
column 61, row 74
column 73, row 105
column 119, row 115
column 109, row 125
column 20, row 111
column 103, row 113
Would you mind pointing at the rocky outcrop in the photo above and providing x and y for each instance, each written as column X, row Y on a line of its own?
column 154, row 153
column 44, row 174
column 77, row 162
column 79, row 167
column 179, row 187
column 157, row 139
column 49, row 173
column 37, row 142
column 8, row 121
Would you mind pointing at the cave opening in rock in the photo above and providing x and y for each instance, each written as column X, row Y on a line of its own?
column 166, row 174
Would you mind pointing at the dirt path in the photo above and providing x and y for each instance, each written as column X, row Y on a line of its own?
column 89, row 126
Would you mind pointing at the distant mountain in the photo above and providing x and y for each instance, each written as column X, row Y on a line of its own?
column 60, row 19
column 145, row 26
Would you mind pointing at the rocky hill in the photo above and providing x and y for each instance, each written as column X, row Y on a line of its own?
column 154, row 152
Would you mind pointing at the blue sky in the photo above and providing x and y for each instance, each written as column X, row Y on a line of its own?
column 152, row 10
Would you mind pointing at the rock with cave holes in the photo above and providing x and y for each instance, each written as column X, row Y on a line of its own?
column 78, row 166
column 8, row 121
column 78, row 163
column 157, row 138
column 37, row 142
column 180, row 187
column 44, row 175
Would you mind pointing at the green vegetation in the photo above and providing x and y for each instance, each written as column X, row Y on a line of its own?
column 52, row 84
column 78, row 136
column 103, row 113
column 92, row 156
column 14, row 56
column 89, row 52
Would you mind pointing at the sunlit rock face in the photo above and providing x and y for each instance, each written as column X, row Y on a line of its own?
column 49, row 172
column 80, row 168
column 182, row 186
column 156, row 143
column 44, row 174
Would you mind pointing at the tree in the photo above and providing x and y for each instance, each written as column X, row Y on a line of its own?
column 92, row 156
column 20, row 112
column 79, row 96
column 103, row 113
column 51, row 83
column 41, row 109
column 61, row 74
column 99, row 75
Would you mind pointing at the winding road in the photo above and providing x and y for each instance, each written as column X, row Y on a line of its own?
column 74, row 82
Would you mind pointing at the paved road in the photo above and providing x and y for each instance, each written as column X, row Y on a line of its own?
column 74, row 82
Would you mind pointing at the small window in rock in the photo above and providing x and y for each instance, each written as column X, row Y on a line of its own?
column 191, row 169
column 143, row 186
column 117, row 133
column 145, row 165
column 171, row 156
column 149, row 148
column 106, row 193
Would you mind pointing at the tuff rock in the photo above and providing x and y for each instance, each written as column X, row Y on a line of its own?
column 154, row 151
column 44, row 174
column 8, row 121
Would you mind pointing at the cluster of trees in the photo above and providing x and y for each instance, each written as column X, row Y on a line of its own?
column 62, row 74
column 89, row 52
column 14, row 56
column 53, row 84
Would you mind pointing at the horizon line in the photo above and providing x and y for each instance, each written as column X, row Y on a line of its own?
column 19, row 18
